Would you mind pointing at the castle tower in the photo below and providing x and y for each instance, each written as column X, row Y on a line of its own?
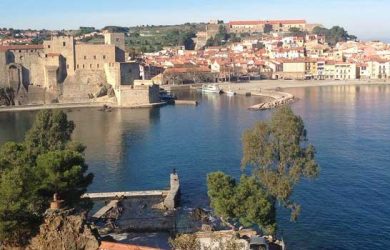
column 65, row 46
column 117, row 39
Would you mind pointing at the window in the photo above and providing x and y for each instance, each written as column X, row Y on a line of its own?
column 94, row 57
column 48, row 46
column 77, row 66
column 90, row 66
column 83, row 66
column 104, row 57
column 85, row 57
column 97, row 66
column 64, row 44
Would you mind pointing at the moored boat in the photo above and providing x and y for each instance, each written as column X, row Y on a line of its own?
column 230, row 93
column 211, row 88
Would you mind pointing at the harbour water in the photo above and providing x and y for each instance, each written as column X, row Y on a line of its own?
column 347, row 207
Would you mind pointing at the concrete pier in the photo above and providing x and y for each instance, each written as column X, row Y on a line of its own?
column 113, row 195
column 105, row 209
column 170, row 197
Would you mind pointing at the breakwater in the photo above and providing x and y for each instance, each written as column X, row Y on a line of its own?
column 278, row 99
column 274, row 98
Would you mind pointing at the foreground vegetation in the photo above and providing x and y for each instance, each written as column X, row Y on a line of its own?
column 279, row 156
column 7, row 96
column 45, row 163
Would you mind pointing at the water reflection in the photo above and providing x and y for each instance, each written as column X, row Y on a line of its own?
column 109, row 137
column 13, row 125
column 137, row 149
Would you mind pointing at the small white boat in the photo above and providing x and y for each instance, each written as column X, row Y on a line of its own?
column 211, row 88
column 230, row 93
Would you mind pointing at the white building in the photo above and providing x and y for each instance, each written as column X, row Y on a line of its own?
column 345, row 71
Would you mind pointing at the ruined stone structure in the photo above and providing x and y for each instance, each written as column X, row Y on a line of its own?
column 62, row 70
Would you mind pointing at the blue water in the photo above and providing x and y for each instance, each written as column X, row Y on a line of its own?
column 347, row 207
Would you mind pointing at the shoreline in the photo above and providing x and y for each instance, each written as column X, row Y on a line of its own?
column 286, row 84
column 273, row 89
column 73, row 106
column 266, row 88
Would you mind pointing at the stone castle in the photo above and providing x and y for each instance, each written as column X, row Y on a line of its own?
column 61, row 70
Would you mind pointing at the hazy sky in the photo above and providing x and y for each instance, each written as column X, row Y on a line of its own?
column 368, row 19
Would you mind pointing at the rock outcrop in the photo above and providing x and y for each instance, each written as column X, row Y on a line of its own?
column 65, row 230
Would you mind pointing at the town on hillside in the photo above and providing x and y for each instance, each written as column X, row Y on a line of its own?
column 123, row 66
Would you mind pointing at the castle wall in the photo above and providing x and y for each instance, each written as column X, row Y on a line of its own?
column 94, row 56
column 37, row 74
column 83, row 83
column 27, row 58
column 129, row 73
column 3, row 69
column 113, row 75
column 130, row 96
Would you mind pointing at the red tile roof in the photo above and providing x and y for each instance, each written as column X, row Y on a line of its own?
column 200, row 69
column 117, row 246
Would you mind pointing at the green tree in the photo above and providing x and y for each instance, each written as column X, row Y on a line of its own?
column 18, row 219
column 63, row 172
column 334, row 35
column 245, row 201
column 116, row 29
column 221, row 190
column 47, row 161
column 50, row 131
column 278, row 152
column 295, row 31
column 254, row 206
column 7, row 96
column 86, row 30
column 12, row 154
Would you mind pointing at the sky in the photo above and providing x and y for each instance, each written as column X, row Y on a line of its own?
column 368, row 19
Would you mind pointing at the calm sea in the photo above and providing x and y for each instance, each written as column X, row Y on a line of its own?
column 347, row 207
